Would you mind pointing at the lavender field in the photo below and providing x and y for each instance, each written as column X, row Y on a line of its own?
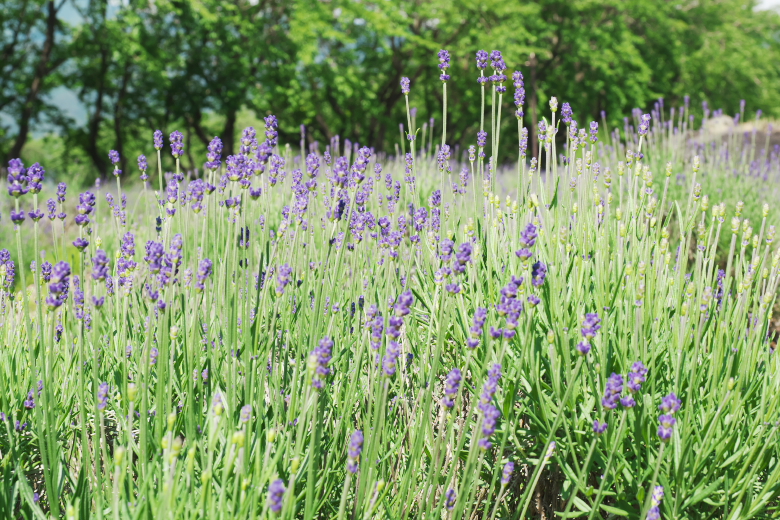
column 327, row 331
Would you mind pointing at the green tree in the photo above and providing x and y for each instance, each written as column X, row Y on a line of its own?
column 33, row 46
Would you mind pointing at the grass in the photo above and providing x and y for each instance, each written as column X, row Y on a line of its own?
column 349, row 306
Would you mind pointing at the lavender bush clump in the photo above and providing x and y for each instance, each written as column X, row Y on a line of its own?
column 338, row 332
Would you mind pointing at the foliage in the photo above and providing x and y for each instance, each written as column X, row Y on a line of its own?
column 352, row 335
column 334, row 66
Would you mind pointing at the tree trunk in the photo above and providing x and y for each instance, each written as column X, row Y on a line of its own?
column 229, row 133
column 29, row 111
column 118, row 115
column 98, row 159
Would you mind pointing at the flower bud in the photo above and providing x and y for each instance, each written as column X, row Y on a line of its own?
column 132, row 392
column 119, row 455
column 176, row 448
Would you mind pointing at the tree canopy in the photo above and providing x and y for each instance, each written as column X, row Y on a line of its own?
column 206, row 67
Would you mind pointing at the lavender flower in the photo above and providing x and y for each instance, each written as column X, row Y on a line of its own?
column 176, row 140
column 354, row 451
column 654, row 513
column 403, row 303
column 62, row 188
column 392, row 353
column 482, row 59
column 100, row 265
column 204, row 271
column 435, row 198
column 318, row 362
column 599, row 427
column 444, row 64
column 490, row 415
column 449, row 499
column 35, row 174
column 81, row 243
column 666, row 427
column 528, row 236
column 591, row 325
column 670, row 404
column 143, row 166
column 102, row 396
column 271, row 134
column 644, row 125
column 58, row 285
column 276, row 495
column 214, row 154
column 491, row 385
column 594, row 131
column 158, row 140
column 29, row 403
column 612, row 391
column 506, row 474
column 482, row 140
column 46, row 269
column 246, row 412
column 566, row 113
column 283, row 278
column 636, row 377
column 451, row 385
column 405, row 86
column 17, row 178
column 538, row 273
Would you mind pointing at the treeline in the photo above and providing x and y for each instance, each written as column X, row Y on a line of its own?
column 206, row 67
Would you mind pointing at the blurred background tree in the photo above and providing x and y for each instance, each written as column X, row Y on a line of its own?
column 80, row 77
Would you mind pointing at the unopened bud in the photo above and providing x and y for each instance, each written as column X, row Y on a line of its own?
column 132, row 392
column 119, row 455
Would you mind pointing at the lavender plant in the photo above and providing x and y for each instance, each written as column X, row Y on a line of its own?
column 334, row 333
